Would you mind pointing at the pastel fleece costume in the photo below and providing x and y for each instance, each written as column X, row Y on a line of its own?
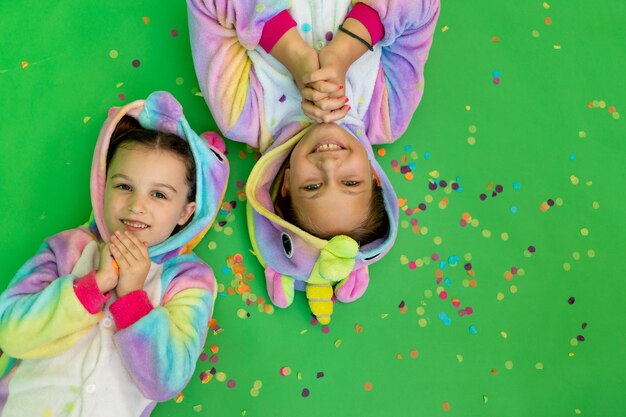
column 254, row 99
column 83, row 353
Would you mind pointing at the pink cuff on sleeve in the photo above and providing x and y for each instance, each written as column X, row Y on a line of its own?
column 88, row 293
column 274, row 29
column 130, row 308
column 370, row 19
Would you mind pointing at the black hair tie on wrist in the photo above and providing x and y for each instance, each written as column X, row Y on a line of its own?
column 357, row 37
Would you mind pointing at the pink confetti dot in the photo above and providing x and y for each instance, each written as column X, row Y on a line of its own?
column 434, row 256
column 325, row 329
column 121, row 96
column 203, row 357
column 174, row 33
column 231, row 383
column 412, row 265
column 443, row 295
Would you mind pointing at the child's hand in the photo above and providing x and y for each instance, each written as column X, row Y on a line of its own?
column 132, row 256
column 324, row 99
column 106, row 274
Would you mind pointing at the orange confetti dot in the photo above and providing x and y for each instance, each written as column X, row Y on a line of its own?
column 494, row 372
column 490, row 185
column 495, row 39
column 473, row 283
column 260, row 300
column 414, row 353
column 243, row 288
column 466, row 216
column 446, row 406
column 368, row 386
column 471, row 273
column 381, row 151
column 398, row 356
column 24, row 64
column 212, row 322
column 544, row 206
column 408, row 176
column 358, row 328
column 611, row 109
column 508, row 276
column 401, row 201
column 214, row 349
column 547, row 21
column 146, row 20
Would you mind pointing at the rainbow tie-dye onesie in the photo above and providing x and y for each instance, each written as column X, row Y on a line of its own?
column 254, row 100
column 77, row 352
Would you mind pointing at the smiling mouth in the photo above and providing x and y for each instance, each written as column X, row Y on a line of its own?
column 134, row 225
column 328, row 147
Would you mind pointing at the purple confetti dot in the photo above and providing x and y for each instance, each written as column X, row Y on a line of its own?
column 443, row 183
column 432, row 186
column 136, row 63
column 404, row 169
column 513, row 270
column 314, row 321
column 499, row 188
column 550, row 202
column 494, row 194
column 320, row 375
column 483, row 197
column 282, row 98
column 325, row 329
column 571, row 300
column 468, row 266
column 531, row 249
column 174, row 33
column 233, row 204
column 329, row 36
column 401, row 304
column 222, row 223
column 584, row 325
column 422, row 206
column 305, row 392
column 231, row 383
column 239, row 184
column 580, row 338
column 213, row 371
column 455, row 186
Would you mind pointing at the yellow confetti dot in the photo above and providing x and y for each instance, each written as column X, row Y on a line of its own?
column 467, row 257
column 212, row 245
column 504, row 335
column 595, row 205
column 465, row 283
column 573, row 341
column 557, row 47
column 508, row 365
column 180, row 81
column 228, row 231
column 424, row 231
column 582, row 134
column 567, row 266
column 468, row 107
column 113, row 53
column 434, row 174
column 539, row 366
column 404, row 260
column 118, row 85
column 576, row 255
column 472, row 129
column 546, row 5
column 337, row 343
column 577, row 411
column 504, row 236
column 513, row 289
column 86, row 119
column 486, row 233
column 459, row 358
column 584, row 231
column 254, row 392
column 591, row 253
column 602, row 104
column 47, row 412
column 559, row 201
column 259, row 8
column 428, row 198
column 428, row 293
column 437, row 240
column 471, row 140
column 179, row 398
column 615, row 115
column 420, row 311
column 445, row 28
column 242, row 314
column 535, row 33
column 257, row 384
column 589, row 183
column 500, row 296
column 419, row 263
column 574, row 179
column 474, row 222
column 422, row 322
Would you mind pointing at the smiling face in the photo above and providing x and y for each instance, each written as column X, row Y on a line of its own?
column 146, row 193
column 329, row 181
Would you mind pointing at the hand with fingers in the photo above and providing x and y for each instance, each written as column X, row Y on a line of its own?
column 107, row 272
column 132, row 257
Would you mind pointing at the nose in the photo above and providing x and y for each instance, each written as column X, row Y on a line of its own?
column 136, row 204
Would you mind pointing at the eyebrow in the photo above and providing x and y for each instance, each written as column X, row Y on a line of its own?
column 156, row 185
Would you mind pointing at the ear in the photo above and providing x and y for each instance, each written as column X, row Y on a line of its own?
column 375, row 176
column 187, row 212
column 284, row 190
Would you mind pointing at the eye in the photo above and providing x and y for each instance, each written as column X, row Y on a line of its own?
column 159, row 195
column 124, row 187
column 312, row 187
column 351, row 183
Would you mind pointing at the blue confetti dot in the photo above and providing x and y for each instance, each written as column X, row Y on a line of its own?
column 444, row 318
column 442, row 265
column 427, row 155
column 516, row 185
column 459, row 190
column 408, row 148
column 225, row 270
column 496, row 73
column 447, row 282
column 306, row 27
column 453, row 259
column 473, row 329
column 412, row 165
column 514, row 209
column 572, row 156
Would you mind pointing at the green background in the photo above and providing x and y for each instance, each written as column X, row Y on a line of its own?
column 551, row 129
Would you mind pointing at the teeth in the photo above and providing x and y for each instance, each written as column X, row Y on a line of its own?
column 135, row 224
column 325, row 147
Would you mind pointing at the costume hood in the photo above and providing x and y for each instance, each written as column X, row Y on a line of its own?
column 293, row 258
column 160, row 111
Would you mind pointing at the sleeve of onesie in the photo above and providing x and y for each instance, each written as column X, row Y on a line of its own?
column 222, row 32
column 408, row 29
column 160, row 345
column 42, row 312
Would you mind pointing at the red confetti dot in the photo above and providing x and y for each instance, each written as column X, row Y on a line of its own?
column 174, row 33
